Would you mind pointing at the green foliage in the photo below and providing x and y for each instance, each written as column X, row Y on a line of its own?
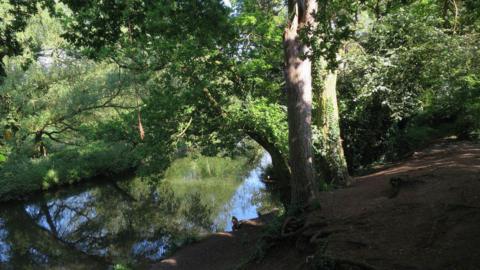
column 263, row 117
column 121, row 267
column 21, row 175
column 59, row 101
column 86, row 75
column 335, row 24
column 209, row 103
column 408, row 80
column 135, row 31
column 195, row 169
column 77, row 109
column 13, row 19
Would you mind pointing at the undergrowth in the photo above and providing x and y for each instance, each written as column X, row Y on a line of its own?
column 21, row 175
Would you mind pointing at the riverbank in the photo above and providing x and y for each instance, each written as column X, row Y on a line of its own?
column 218, row 251
column 20, row 177
column 422, row 213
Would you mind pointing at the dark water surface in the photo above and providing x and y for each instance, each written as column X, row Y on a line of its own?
column 130, row 222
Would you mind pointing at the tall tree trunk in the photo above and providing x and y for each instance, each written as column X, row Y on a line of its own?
column 328, row 120
column 298, row 74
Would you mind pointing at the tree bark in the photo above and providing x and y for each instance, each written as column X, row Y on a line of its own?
column 281, row 169
column 40, row 148
column 298, row 75
column 336, row 170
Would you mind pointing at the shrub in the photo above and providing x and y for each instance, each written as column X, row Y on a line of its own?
column 21, row 175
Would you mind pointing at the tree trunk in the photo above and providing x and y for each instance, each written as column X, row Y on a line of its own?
column 298, row 77
column 336, row 170
column 3, row 74
column 282, row 172
column 281, row 169
column 40, row 148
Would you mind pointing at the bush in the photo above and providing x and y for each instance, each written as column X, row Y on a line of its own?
column 20, row 175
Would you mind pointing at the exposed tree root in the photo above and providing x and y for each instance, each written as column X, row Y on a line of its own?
column 313, row 235
column 329, row 262
column 292, row 226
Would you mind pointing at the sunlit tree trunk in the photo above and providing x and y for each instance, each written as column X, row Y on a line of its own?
column 335, row 166
column 299, row 90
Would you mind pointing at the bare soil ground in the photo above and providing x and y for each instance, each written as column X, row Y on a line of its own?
column 423, row 213
column 218, row 251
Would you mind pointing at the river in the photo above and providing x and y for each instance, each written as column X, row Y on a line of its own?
column 129, row 222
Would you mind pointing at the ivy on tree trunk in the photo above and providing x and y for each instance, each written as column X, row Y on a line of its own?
column 334, row 168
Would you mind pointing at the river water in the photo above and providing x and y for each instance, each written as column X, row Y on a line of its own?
column 131, row 222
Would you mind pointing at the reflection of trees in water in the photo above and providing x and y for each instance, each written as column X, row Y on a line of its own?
column 125, row 222
column 4, row 247
column 32, row 244
column 128, row 222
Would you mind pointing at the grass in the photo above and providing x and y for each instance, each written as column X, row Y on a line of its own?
column 20, row 176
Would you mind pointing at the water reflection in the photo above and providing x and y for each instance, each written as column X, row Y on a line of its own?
column 248, row 198
column 4, row 246
column 131, row 222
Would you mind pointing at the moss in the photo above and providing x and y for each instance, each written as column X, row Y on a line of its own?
column 329, row 142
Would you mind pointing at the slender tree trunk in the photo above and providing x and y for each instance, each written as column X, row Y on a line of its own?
column 2, row 72
column 298, row 74
column 328, row 121
column 40, row 148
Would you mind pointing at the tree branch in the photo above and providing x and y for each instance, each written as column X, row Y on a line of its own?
column 49, row 135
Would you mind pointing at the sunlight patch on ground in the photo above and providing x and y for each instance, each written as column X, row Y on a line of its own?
column 171, row 262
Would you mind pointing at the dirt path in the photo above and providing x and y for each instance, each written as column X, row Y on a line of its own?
column 218, row 251
column 430, row 219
